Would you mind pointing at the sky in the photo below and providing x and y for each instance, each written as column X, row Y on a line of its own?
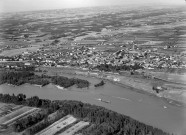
column 29, row 5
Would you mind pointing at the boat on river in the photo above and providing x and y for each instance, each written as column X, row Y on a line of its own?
column 105, row 101
column 59, row 87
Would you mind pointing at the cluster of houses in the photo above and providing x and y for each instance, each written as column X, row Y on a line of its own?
column 87, row 57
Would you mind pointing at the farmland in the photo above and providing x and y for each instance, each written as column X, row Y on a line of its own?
column 75, row 128
column 24, row 112
column 15, row 115
column 42, row 125
column 57, row 126
column 139, row 52
column 63, row 117
column 10, row 113
column 6, row 109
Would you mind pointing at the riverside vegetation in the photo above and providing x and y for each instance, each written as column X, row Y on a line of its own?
column 104, row 121
column 21, row 77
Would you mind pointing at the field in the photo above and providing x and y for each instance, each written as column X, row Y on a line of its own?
column 57, row 126
column 6, row 109
column 9, row 118
column 176, row 78
column 18, row 112
column 14, row 52
column 106, row 43
column 25, row 114
column 75, row 128
column 10, row 113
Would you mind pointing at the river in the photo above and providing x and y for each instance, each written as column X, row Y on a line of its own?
column 143, row 107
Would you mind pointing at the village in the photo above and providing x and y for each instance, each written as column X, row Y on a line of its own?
column 91, row 57
column 93, row 70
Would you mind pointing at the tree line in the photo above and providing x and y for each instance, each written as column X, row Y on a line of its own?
column 21, row 77
column 104, row 121
column 109, row 67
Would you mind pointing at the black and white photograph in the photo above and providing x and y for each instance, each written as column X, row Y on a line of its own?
column 92, row 67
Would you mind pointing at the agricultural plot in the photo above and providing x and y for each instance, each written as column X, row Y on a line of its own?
column 4, row 107
column 72, row 130
column 57, row 122
column 52, row 118
column 22, row 116
column 57, row 126
column 14, row 52
column 11, row 117
column 1, row 105
column 8, row 108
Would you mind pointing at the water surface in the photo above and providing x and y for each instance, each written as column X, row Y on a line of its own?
column 148, row 109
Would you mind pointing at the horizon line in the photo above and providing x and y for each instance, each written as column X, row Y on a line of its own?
column 130, row 5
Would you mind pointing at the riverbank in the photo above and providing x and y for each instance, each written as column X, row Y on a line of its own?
column 138, row 85
column 142, row 107
column 18, row 78
column 64, row 108
column 142, row 91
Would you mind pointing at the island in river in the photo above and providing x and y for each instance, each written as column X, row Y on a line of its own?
column 100, row 84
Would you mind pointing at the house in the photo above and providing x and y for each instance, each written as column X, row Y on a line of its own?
column 28, row 64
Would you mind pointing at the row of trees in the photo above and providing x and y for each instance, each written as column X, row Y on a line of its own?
column 47, row 121
column 22, row 77
column 27, row 122
column 105, row 121
column 109, row 67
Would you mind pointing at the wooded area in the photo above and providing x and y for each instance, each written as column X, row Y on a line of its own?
column 22, row 77
column 105, row 122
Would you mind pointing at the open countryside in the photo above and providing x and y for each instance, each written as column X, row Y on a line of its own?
column 104, row 70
